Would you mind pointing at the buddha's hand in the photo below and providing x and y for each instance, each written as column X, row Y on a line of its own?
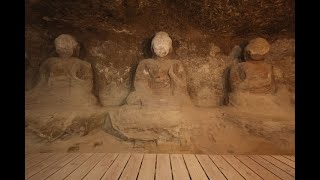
column 178, row 77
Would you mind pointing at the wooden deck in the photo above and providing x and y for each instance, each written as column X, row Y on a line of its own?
column 111, row 166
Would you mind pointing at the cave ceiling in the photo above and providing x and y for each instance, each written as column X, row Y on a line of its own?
column 233, row 17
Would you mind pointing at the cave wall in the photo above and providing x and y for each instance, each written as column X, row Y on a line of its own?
column 116, row 35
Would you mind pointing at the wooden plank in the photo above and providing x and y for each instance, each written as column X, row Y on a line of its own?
column 37, row 159
column 98, row 171
column 163, row 167
column 179, row 169
column 292, row 158
column 210, row 168
column 38, row 167
column 84, row 169
column 148, row 167
column 241, row 168
column 286, row 161
column 48, row 171
column 131, row 170
column 275, row 170
column 279, row 164
column 70, row 167
column 225, row 168
column 257, row 168
column 31, row 156
column 117, row 167
column 194, row 167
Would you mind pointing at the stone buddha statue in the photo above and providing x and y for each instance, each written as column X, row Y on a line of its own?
column 254, row 75
column 64, row 80
column 62, row 100
column 153, row 111
column 160, row 80
column 253, row 83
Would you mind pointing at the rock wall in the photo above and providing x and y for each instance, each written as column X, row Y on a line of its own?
column 209, row 39
column 114, row 64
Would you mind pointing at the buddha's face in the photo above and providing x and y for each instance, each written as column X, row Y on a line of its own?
column 161, row 50
column 65, row 45
column 64, row 52
column 161, row 44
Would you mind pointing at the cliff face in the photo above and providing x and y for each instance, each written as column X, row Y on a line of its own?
column 208, row 37
column 117, row 33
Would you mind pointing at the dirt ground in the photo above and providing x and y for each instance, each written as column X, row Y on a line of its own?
column 212, row 131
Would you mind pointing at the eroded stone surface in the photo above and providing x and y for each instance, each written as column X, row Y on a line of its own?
column 252, row 77
column 145, row 123
column 113, row 66
column 208, row 78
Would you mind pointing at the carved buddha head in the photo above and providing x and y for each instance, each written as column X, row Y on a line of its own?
column 161, row 44
column 65, row 45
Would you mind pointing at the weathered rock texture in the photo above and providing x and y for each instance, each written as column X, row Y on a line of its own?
column 113, row 66
column 252, row 77
column 145, row 123
column 208, row 78
column 236, row 17
column 37, row 47
column 282, row 57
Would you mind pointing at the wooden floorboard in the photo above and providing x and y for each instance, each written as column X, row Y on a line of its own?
column 210, row 168
column 285, row 160
column 31, row 156
column 292, row 158
column 179, row 169
column 101, row 168
column 117, row 167
column 242, row 169
column 38, row 159
column 148, row 167
column 163, row 167
column 194, row 167
column 275, row 170
column 225, row 168
column 42, row 165
column 279, row 164
column 132, row 168
column 85, row 168
column 48, row 171
column 70, row 167
column 92, row 166
column 257, row 168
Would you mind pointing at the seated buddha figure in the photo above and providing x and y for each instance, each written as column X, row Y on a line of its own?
column 62, row 99
column 254, row 83
column 64, row 80
column 160, row 80
column 153, row 111
column 253, row 75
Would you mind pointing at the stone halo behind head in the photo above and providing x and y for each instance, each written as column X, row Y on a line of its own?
column 161, row 44
column 65, row 45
